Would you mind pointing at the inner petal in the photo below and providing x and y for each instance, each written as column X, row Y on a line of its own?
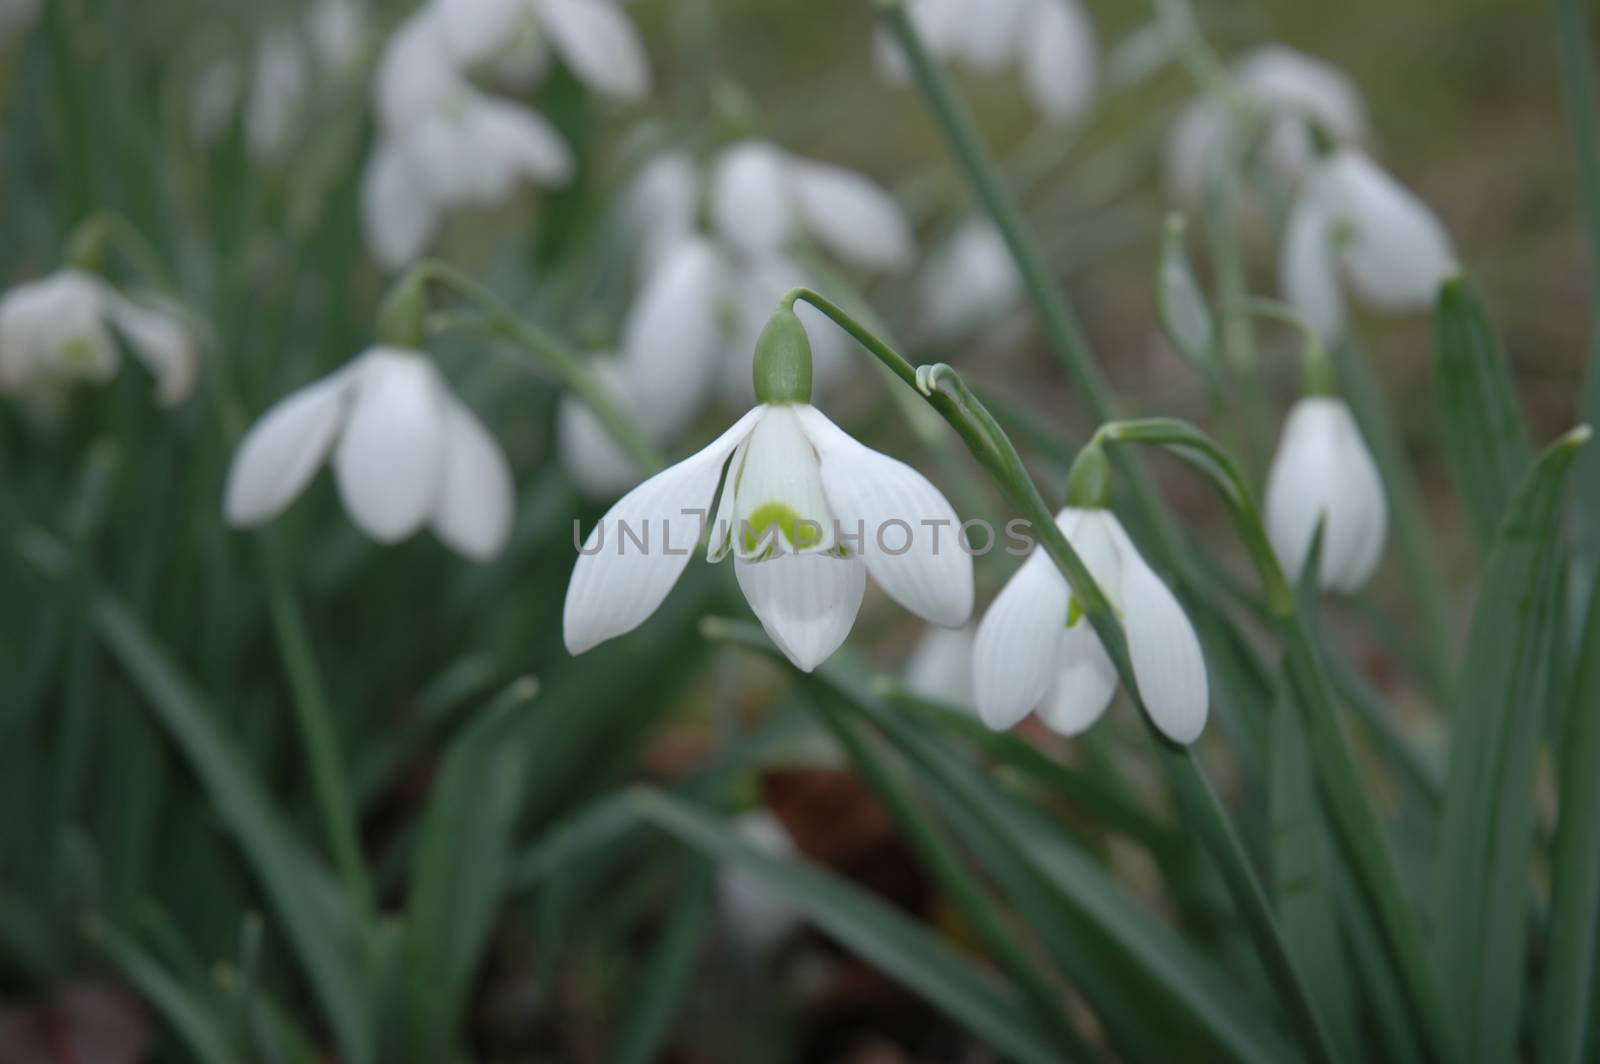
column 778, row 503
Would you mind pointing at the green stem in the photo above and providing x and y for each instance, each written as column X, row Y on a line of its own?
column 314, row 717
column 963, row 891
column 550, row 350
column 106, row 230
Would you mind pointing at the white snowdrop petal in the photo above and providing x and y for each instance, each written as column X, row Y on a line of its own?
column 1059, row 61
column 1397, row 252
column 1015, row 657
column 283, row 450
column 1361, row 485
column 615, row 584
column 599, row 43
column 1167, row 662
column 908, row 531
column 1192, row 154
column 397, row 213
column 807, row 603
column 719, row 539
column 989, row 39
column 660, row 205
column 1298, row 89
column 672, row 338
column 1308, row 276
column 750, row 197
column 390, row 459
column 473, row 31
column 778, row 499
column 477, row 496
column 852, row 216
column 526, row 143
column 1084, row 686
column 1300, row 488
column 599, row 466
column 970, row 280
column 940, row 668
column 162, row 342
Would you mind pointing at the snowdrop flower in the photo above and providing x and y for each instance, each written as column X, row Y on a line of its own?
column 1052, row 41
column 1036, row 650
column 279, row 88
column 761, row 197
column 940, row 668
column 1354, row 224
column 595, row 39
column 757, row 916
column 970, row 280
column 1293, row 91
column 60, row 329
column 443, row 145
column 672, row 342
column 406, row 453
column 1324, row 474
column 806, row 511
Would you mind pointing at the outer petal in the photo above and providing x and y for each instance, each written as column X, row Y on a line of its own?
column 1398, row 252
column 162, row 342
column 615, row 586
column 1192, row 153
column 1298, row 89
column 397, row 213
column 599, row 43
column 282, row 452
column 524, row 141
column 750, row 196
column 1361, row 485
column 940, row 668
column 806, row 602
column 1084, row 687
column 1167, row 662
column 1307, row 275
column 672, row 339
column 1059, row 64
column 592, row 457
column 989, row 37
column 850, row 215
column 1015, row 658
column 933, row 576
column 660, row 205
column 472, row 31
column 476, row 500
column 970, row 280
column 391, row 459
column 1301, row 488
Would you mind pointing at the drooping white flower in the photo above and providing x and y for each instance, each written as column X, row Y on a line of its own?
column 279, row 87
column 672, row 343
column 62, row 328
column 1052, row 42
column 940, row 668
column 595, row 39
column 1353, row 224
column 406, row 453
column 442, row 145
column 757, row 916
column 1035, row 650
column 761, row 197
column 806, row 512
column 1324, row 474
column 970, row 280
column 1293, row 91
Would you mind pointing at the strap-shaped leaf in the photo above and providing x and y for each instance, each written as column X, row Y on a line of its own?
column 1486, row 439
column 1486, row 830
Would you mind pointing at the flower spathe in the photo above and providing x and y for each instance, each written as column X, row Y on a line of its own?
column 1035, row 650
column 1354, row 225
column 795, row 491
column 62, row 328
column 406, row 453
column 1324, row 474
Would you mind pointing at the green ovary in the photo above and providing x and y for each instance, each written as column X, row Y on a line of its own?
column 799, row 532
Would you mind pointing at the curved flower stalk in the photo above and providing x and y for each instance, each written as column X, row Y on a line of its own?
column 969, row 281
column 761, row 205
column 1052, row 43
column 406, row 453
column 63, row 329
column 1036, row 650
column 594, row 39
column 1294, row 95
column 671, row 344
column 443, row 144
column 806, row 511
column 1324, row 475
column 1355, row 226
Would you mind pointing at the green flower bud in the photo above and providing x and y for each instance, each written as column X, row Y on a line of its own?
column 1185, row 316
column 783, row 360
column 402, row 318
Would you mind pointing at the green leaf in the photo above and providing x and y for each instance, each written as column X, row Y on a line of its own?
column 669, row 975
column 325, row 934
column 879, row 934
column 459, row 871
column 189, row 1015
column 1486, row 825
column 1571, row 1007
column 1486, row 439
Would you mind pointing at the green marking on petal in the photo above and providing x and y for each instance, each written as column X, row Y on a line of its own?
column 1074, row 611
column 791, row 526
